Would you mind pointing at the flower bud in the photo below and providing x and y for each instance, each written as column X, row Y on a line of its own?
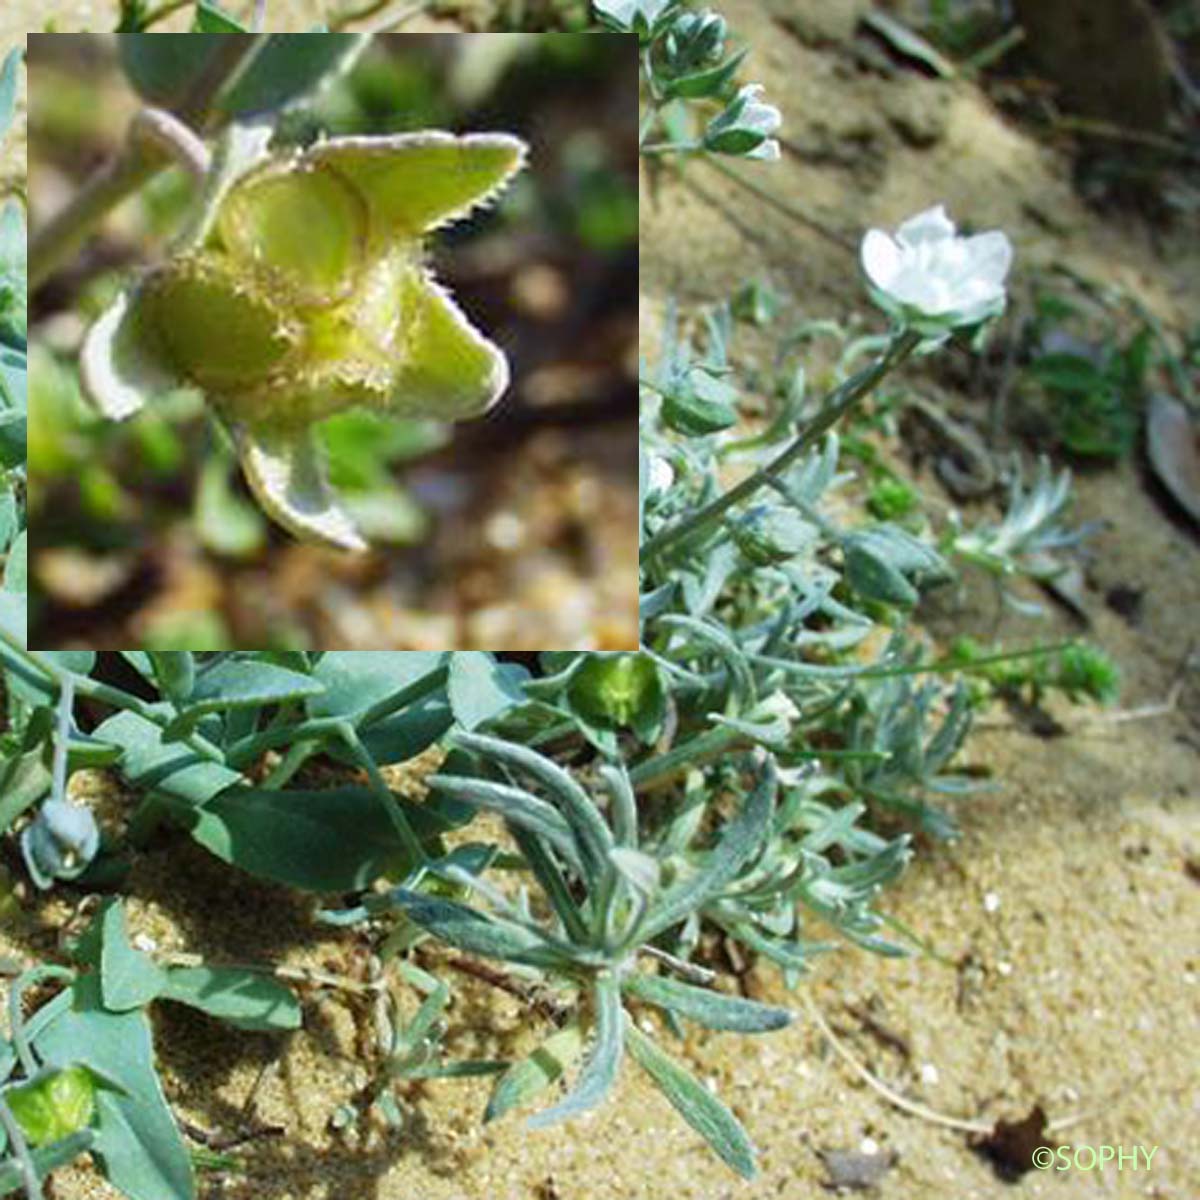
column 745, row 127
column 699, row 403
column 60, row 842
column 769, row 535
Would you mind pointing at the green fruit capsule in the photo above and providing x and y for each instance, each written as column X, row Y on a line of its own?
column 767, row 536
column 54, row 1106
column 217, row 330
column 699, row 404
column 303, row 226
column 619, row 691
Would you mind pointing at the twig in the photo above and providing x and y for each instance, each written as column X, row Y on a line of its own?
column 134, row 165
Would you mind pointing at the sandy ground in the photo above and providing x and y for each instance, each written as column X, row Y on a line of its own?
column 1064, row 919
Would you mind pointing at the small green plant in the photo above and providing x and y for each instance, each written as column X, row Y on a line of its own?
column 13, row 371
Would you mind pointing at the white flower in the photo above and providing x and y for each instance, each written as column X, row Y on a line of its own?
column 745, row 127
column 931, row 277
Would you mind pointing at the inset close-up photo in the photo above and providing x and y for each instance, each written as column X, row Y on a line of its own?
column 334, row 341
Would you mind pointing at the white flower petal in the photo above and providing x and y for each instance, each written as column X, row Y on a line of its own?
column 880, row 258
column 991, row 255
column 932, row 225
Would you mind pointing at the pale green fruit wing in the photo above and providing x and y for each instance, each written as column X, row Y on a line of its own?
column 413, row 182
column 285, row 471
column 215, row 329
column 447, row 368
column 119, row 366
column 302, row 224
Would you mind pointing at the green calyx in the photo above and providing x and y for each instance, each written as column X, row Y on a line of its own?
column 302, row 294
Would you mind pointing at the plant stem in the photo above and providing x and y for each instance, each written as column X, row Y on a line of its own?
column 16, row 1023
column 835, row 408
column 21, row 1152
column 135, row 164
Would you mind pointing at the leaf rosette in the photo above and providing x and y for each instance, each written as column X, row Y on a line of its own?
column 301, row 291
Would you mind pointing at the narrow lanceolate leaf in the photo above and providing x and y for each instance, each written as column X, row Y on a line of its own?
column 595, row 837
column 526, row 1078
column 694, row 1103
column 599, row 1071
column 248, row 999
column 710, row 1008
column 739, row 842
column 513, row 805
column 466, row 929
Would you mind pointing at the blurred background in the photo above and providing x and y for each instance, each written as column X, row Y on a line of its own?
column 517, row 531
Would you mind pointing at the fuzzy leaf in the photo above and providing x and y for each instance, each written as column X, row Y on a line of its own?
column 710, row 1008
column 694, row 1103
column 514, row 805
column 470, row 930
column 599, row 1072
column 524, row 1079
column 739, row 841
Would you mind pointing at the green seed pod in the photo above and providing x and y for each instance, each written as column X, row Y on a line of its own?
column 216, row 326
column 54, row 1106
column 769, row 535
column 304, row 228
column 619, row 691
column 699, row 404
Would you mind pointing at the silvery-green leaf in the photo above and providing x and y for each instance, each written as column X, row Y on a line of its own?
column 8, row 87
column 285, row 473
column 128, row 978
column 524, row 1079
column 694, row 1103
column 413, row 182
column 710, row 1008
column 599, row 1072
column 739, row 841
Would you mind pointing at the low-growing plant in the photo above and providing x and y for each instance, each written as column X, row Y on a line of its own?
column 12, row 378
